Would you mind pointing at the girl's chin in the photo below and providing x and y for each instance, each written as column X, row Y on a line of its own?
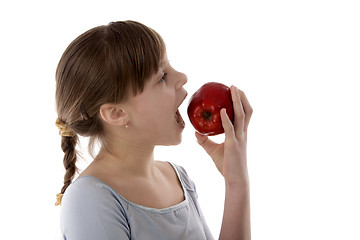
column 173, row 142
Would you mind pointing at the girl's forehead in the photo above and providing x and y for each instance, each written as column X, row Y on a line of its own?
column 164, row 60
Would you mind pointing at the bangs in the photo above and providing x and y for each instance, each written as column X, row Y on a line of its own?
column 135, row 52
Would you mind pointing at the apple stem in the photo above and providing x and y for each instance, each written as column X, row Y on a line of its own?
column 207, row 116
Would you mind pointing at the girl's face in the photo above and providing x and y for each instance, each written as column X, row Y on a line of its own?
column 154, row 115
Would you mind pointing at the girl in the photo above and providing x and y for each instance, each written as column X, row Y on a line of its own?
column 115, row 85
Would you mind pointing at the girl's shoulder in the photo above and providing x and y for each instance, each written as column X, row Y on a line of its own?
column 183, row 177
column 87, row 189
column 90, row 209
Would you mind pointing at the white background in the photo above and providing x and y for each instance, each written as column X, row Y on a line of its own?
column 297, row 61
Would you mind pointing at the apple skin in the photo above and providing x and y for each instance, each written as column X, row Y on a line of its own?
column 205, row 105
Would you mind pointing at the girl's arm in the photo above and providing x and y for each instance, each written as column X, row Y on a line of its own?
column 230, row 159
column 236, row 218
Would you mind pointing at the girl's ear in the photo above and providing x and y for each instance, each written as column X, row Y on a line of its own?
column 113, row 114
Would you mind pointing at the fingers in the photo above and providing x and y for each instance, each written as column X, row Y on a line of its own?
column 239, row 115
column 227, row 124
column 242, row 110
column 248, row 110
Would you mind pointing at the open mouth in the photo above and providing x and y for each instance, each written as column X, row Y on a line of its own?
column 179, row 119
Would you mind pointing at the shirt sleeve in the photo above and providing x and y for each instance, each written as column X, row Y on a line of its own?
column 90, row 210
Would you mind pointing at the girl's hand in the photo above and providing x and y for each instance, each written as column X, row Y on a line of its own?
column 230, row 156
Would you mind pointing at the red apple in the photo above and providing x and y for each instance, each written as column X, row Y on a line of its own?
column 205, row 105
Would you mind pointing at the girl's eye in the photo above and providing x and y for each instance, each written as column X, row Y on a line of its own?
column 163, row 78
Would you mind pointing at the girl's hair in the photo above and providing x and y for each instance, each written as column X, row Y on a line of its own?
column 106, row 64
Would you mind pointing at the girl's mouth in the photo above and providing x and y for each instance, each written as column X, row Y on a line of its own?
column 179, row 119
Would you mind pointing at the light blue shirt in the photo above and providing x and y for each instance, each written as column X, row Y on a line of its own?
column 91, row 209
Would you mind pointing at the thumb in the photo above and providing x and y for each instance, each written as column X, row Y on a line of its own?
column 208, row 145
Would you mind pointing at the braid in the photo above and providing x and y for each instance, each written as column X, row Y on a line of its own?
column 68, row 146
column 69, row 138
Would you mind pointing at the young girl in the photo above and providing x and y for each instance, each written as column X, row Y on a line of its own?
column 115, row 85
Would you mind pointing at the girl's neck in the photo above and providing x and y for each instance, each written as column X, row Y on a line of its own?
column 137, row 161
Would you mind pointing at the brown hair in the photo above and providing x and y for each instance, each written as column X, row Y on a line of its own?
column 103, row 65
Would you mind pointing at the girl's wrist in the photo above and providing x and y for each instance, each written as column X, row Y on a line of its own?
column 238, row 184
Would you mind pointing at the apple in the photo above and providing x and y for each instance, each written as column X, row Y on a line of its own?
column 205, row 105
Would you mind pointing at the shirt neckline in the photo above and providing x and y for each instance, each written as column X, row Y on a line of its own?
column 149, row 209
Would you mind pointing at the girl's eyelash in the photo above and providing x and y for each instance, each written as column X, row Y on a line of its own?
column 162, row 79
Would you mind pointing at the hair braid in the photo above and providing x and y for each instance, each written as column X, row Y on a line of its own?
column 68, row 145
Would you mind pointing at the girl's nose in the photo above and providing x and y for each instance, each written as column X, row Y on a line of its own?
column 182, row 80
